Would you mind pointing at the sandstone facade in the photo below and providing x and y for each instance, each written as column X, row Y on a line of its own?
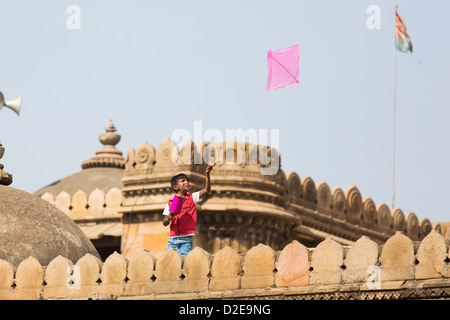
column 118, row 202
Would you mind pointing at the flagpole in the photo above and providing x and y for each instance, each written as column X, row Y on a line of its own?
column 395, row 102
column 403, row 44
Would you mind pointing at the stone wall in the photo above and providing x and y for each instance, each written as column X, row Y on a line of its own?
column 315, row 203
column 398, row 269
column 82, row 205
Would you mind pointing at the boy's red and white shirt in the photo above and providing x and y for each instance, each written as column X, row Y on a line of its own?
column 187, row 217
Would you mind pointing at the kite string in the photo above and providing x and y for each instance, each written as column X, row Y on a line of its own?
column 284, row 68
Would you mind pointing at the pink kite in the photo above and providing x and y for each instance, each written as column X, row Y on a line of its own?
column 282, row 67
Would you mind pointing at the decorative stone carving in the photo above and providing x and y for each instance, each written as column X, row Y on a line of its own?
column 130, row 162
column 163, row 155
column 109, row 155
column 187, row 153
column 354, row 204
column 269, row 160
column 412, row 226
column 339, row 204
column 294, row 187
column 399, row 222
column 230, row 153
column 369, row 212
column 252, row 151
column 425, row 227
column 309, row 189
column 384, row 216
column 324, row 198
column 109, row 138
column 145, row 156
column 214, row 152
column 241, row 153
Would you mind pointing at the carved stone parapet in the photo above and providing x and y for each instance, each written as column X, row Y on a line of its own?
column 103, row 162
column 241, row 231
column 245, row 206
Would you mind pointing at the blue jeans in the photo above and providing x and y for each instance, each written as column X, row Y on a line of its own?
column 183, row 245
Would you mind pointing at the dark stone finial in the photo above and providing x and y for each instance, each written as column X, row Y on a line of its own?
column 5, row 177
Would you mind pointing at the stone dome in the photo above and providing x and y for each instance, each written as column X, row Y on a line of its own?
column 31, row 226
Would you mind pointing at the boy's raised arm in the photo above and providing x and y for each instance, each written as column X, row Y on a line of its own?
column 207, row 188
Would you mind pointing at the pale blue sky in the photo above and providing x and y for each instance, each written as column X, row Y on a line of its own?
column 140, row 62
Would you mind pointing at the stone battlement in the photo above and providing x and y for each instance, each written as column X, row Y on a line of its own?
column 398, row 269
column 300, row 192
column 81, row 205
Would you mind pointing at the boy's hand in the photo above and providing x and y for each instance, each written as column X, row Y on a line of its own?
column 168, row 219
column 210, row 167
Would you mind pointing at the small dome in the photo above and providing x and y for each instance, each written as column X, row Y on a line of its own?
column 31, row 226
column 87, row 180
column 104, row 171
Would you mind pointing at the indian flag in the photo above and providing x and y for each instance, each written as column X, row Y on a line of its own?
column 402, row 40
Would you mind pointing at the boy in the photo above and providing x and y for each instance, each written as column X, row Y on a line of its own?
column 182, row 225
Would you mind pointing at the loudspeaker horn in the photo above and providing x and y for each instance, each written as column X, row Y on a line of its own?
column 14, row 105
